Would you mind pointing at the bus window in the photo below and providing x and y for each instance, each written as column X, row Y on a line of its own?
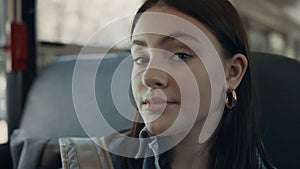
column 272, row 25
column 277, row 42
column 77, row 17
column 257, row 35
column 3, row 123
column 3, row 44
column 58, row 22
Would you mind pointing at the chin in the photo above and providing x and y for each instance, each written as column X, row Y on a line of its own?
column 155, row 128
column 161, row 124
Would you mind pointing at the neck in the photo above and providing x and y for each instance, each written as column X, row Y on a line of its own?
column 189, row 153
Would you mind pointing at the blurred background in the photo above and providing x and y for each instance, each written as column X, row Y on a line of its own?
column 272, row 25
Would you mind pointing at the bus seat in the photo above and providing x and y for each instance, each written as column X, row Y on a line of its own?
column 278, row 88
column 49, row 111
column 50, row 104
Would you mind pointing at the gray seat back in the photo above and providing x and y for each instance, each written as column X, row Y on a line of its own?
column 49, row 110
column 278, row 88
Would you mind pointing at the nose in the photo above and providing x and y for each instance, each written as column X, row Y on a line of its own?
column 155, row 78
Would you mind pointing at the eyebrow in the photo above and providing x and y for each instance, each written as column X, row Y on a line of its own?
column 171, row 37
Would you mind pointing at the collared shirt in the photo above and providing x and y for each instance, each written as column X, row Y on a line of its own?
column 148, row 147
column 93, row 155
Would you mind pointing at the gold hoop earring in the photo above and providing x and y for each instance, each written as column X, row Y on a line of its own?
column 231, row 98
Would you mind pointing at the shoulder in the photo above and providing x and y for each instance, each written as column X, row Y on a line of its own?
column 91, row 152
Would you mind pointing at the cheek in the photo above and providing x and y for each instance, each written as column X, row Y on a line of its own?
column 199, row 89
column 204, row 88
column 136, row 84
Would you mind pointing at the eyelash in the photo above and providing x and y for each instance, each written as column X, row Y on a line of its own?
column 178, row 57
column 187, row 56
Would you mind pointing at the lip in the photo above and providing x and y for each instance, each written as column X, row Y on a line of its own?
column 157, row 104
column 155, row 100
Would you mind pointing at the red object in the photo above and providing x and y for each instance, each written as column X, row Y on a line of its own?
column 18, row 49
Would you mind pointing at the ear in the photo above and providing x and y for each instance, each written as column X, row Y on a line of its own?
column 235, row 70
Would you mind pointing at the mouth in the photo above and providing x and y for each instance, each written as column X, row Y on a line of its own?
column 157, row 104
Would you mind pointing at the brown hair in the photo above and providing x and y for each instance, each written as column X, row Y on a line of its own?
column 236, row 143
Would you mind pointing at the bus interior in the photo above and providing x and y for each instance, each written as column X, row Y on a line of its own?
column 41, row 41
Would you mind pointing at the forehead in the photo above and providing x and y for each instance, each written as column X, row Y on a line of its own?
column 166, row 21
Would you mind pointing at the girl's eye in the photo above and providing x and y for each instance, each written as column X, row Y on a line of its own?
column 181, row 57
column 141, row 60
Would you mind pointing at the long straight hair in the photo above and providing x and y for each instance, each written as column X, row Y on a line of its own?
column 236, row 143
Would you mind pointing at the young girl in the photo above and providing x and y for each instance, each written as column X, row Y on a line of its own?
column 192, row 84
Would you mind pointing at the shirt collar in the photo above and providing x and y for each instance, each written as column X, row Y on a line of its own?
column 148, row 147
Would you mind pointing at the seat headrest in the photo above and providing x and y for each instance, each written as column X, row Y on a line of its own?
column 278, row 88
column 49, row 110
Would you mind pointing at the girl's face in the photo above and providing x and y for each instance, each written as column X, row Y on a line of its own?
column 169, row 79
